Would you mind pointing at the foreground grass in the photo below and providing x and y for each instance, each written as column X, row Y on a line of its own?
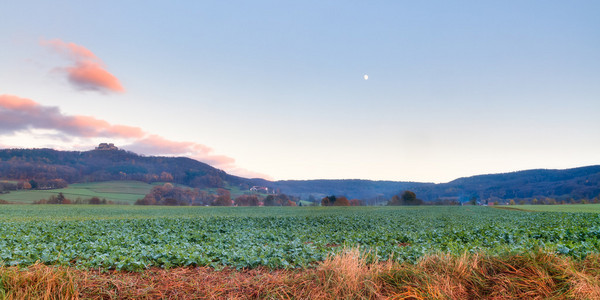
column 347, row 275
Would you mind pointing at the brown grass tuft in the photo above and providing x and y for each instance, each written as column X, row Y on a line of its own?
column 348, row 276
column 529, row 276
column 37, row 282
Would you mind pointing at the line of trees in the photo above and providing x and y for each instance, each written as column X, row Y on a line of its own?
column 61, row 199
column 406, row 198
column 340, row 201
column 553, row 201
column 7, row 186
column 168, row 194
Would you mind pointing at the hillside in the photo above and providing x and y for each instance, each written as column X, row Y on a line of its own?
column 577, row 183
column 353, row 188
column 119, row 192
column 104, row 165
column 43, row 165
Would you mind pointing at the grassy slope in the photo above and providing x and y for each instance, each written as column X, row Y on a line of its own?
column 571, row 208
column 117, row 191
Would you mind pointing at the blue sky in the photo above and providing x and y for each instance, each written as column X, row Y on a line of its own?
column 276, row 89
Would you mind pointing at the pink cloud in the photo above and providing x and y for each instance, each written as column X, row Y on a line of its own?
column 91, row 76
column 86, row 126
column 16, row 103
column 248, row 174
column 157, row 145
column 88, row 71
column 72, row 50
column 20, row 114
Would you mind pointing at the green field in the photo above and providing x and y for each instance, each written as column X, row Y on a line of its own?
column 134, row 238
column 10, row 181
column 117, row 191
column 570, row 208
column 120, row 192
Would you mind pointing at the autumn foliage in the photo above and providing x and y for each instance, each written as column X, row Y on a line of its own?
column 223, row 198
column 407, row 198
column 247, row 200
column 278, row 200
column 340, row 201
column 168, row 194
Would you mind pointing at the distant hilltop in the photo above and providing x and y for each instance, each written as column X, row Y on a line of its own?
column 107, row 146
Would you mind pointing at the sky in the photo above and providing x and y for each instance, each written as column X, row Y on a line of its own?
column 277, row 89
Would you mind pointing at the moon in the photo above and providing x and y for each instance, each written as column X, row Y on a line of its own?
column 366, row 77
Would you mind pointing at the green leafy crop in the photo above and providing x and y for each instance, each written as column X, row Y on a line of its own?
column 135, row 238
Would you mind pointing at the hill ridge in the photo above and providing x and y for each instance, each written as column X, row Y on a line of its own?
column 115, row 164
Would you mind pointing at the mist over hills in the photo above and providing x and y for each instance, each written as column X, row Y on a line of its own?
column 114, row 164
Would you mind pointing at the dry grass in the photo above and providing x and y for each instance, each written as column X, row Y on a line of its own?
column 345, row 276
column 37, row 282
column 529, row 276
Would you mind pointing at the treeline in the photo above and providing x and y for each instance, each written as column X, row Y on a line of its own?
column 410, row 198
column 6, row 187
column 340, row 201
column 168, row 194
column 553, row 201
column 61, row 199
column 407, row 198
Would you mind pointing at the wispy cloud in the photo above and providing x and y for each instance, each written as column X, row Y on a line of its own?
column 157, row 145
column 21, row 114
column 87, row 71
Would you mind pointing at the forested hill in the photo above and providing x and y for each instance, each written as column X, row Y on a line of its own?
column 576, row 183
column 102, row 165
column 353, row 188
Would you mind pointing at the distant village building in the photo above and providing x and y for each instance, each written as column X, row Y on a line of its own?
column 106, row 146
column 259, row 189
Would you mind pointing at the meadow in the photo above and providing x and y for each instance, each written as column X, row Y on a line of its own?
column 123, row 192
column 576, row 208
column 119, row 192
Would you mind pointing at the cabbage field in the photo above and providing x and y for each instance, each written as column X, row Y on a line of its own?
column 136, row 238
